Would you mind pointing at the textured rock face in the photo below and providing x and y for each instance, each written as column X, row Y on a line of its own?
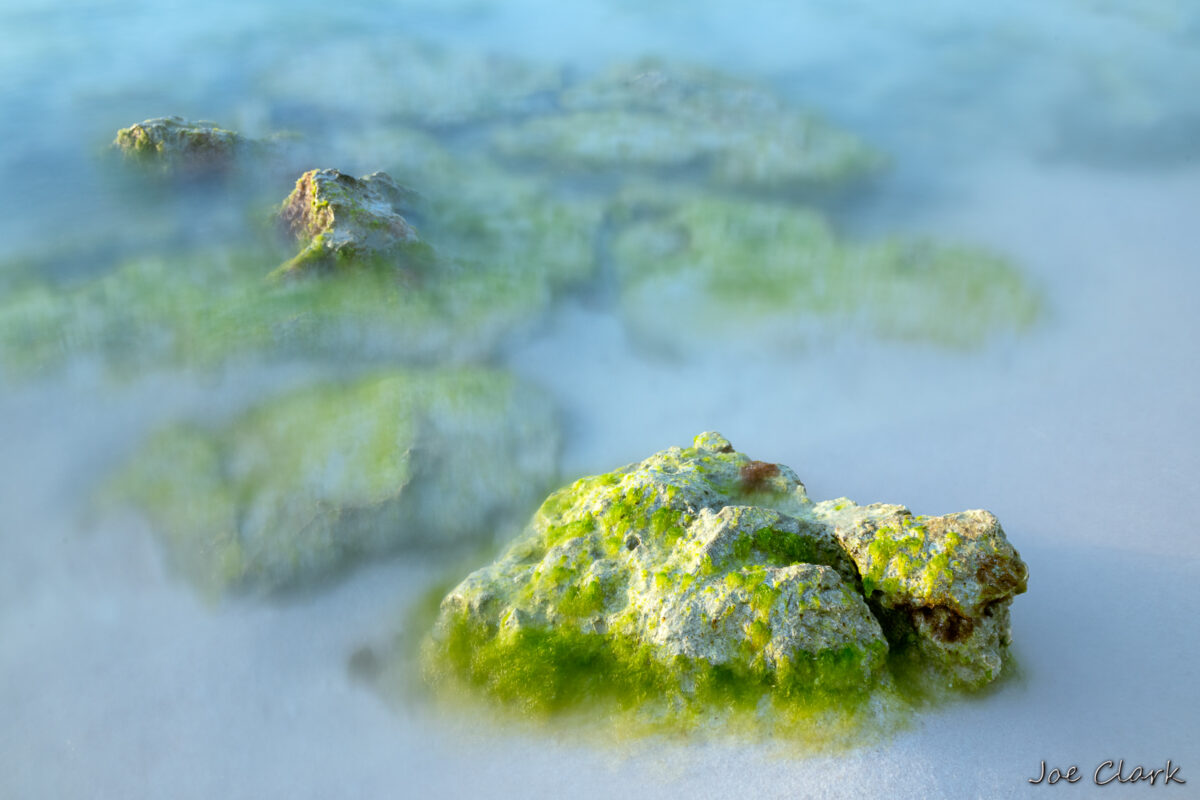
column 943, row 583
column 299, row 487
column 340, row 220
column 701, row 560
column 174, row 144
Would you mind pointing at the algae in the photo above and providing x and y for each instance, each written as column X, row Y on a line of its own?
column 704, row 270
column 305, row 484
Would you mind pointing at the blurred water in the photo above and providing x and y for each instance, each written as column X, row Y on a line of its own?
column 1062, row 135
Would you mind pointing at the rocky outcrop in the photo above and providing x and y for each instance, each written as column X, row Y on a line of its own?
column 174, row 145
column 340, row 221
column 701, row 562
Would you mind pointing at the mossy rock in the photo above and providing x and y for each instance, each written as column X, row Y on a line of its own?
column 700, row 581
column 701, row 271
column 679, row 119
column 173, row 145
column 313, row 481
column 473, row 210
column 341, row 222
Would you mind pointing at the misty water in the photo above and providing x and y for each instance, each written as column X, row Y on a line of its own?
column 1064, row 137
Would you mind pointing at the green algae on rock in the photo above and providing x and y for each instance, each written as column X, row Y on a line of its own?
column 669, row 116
column 340, row 220
column 759, row 273
column 176, row 145
column 310, row 482
column 204, row 309
column 700, row 579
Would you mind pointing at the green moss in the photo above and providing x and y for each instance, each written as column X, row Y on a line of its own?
column 202, row 308
column 737, row 267
column 759, row 634
column 539, row 671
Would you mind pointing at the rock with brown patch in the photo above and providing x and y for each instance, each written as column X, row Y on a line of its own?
column 342, row 221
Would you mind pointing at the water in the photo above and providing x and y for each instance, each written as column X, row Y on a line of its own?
column 1061, row 136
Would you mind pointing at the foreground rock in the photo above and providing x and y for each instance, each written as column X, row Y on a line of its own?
column 313, row 481
column 176, row 145
column 341, row 221
column 700, row 576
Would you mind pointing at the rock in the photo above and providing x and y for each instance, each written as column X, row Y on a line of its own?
column 675, row 118
column 340, row 221
column 699, row 575
column 943, row 584
column 703, row 272
column 175, row 145
column 308, row 483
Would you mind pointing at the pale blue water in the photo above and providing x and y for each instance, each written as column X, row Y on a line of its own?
column 1066, row 135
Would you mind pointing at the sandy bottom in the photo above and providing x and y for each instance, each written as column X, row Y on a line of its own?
column 116, row 681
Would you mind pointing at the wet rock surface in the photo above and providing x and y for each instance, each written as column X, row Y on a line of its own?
column 175, row 145
column 700, row 565
column 340, row 220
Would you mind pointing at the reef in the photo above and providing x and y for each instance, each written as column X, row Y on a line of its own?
column 699, row 577
column 308, row 483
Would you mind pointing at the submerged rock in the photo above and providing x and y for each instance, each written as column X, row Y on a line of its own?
column 310, row 482
column 205, row 309
column 701, row 575
column 176, row 145
column 700, row 272
column 340, row 220
column 673, row 117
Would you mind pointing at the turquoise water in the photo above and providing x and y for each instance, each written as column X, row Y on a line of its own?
column 1063, row 138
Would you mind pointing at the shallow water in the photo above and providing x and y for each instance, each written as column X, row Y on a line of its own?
column 1058, row 136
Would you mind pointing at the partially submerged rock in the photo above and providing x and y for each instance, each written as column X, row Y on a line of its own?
column 176, row 145
column 671, row 117
column 340, row 220
column 700, row 576
column 310, row 482
column 705, row 271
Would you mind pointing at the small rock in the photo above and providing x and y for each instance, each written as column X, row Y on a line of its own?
column 341, row 220
column 176, row 145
